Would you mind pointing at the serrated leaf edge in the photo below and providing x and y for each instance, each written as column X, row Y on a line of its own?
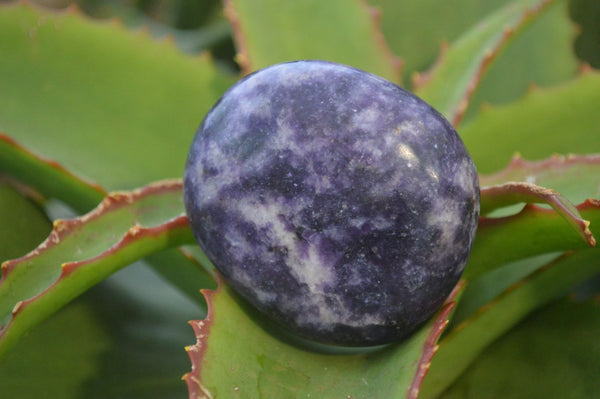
column 245, row 62
column 242, row 56
column 421, row 79
column 118, row 199
column 536, row 91
column 62, row 228
column 555, row 161
column 196, row 352
column 430, row 346
column 530, row 193
column 74, row 10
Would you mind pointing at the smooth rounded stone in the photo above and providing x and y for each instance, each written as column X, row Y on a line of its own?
column 337, row 203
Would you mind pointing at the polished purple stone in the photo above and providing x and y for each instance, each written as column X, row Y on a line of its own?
column 334, row 201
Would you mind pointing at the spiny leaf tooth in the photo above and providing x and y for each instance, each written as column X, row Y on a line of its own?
column 242, row 58
column 420, row 79
column 196, row 352
column 532, row 87
column 493, row 197
column 17, row 307
column 532, row 168
column 585, row 69
column 430, row 346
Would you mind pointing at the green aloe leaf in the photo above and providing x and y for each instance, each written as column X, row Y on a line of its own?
column 23, row 224
column 47, row 176
column 577, row 177
column 121, row 114
column 53, row 181
column 431, row 21
column 467, row 340
column 511, row 193
column 111, row 105
column 562, row 119
column 267, row 32
column 515, row 69
column 81, row 252
column 258, row 363
column 520, row 365
column 451, row 82
column 491, row 273
column 542, row 55
column 123, row 338
column 542, row 229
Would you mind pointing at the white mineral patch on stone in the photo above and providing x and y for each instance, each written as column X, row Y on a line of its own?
column 410, row 128
column 444, row 216
column 328, row 316
column 415, row 277
column 242, row 277
column 365, row 119
column 308, row 267
column 407, row 154
column 465, row 176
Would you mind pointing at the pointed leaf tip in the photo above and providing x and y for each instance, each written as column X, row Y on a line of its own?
column 510, row 193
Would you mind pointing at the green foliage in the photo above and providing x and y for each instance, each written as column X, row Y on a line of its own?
column 567, row 370
column 117, row 97
column 89, row 106
column 236, row 356
column 81, row 252
column 267, row 32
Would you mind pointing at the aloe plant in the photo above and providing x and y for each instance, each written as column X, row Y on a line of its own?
column 96, row 118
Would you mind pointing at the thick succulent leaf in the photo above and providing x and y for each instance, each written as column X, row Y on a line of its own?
column 123, row 338
column 489, row 286
column 520, row 365
column 489, row 275
column 495, row 197
column 541, row 55
column 562, row 119
column 449, row 85
column 111, row 105
column 467, row 340
column 265, row 364
column 47, row 176
column 81, row 252
column 345, row 31
column 577, row 177
column 432, row 22
column 52, row 180
column 542, row 229
column 23, row 225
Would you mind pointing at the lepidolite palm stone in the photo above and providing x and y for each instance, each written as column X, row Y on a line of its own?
column 337, row 203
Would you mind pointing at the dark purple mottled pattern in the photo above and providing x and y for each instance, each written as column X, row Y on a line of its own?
column 333, row 200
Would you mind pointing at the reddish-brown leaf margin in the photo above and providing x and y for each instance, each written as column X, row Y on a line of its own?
column 515, row 192
column 518, row 163
column 196, row 352
column 63, row 228
column 430, row 346
column 421, row 79
column 243, row 58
